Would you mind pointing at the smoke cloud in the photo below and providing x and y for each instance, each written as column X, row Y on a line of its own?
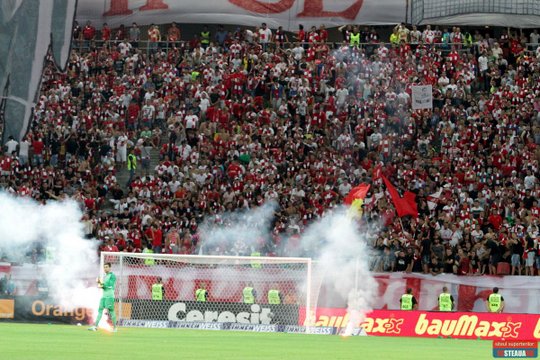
column 342, row 257
column 338, row 247
column 237, row 233
column 56, row 227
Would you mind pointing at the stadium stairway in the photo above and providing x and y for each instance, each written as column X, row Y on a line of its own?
column 122, row 173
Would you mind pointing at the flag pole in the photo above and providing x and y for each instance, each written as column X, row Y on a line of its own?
column 401, row 223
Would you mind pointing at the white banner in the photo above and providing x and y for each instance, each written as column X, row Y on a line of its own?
column 470, row 292
column 422, row 97
column 286, row 13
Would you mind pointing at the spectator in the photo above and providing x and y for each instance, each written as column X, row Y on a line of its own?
column 154, row 37
column 134, row 35
column 173, row 35
column 11, row 146
column 265, row 36
column 105, row 33
column 88, row 33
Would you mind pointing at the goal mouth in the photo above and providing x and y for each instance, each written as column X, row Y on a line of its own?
column 242, row 293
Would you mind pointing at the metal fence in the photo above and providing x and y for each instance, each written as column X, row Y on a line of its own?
column 149, row 47
column 430, row 9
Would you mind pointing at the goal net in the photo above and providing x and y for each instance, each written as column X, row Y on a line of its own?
column 212, row 292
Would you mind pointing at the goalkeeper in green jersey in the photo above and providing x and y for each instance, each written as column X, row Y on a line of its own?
column 107, row 300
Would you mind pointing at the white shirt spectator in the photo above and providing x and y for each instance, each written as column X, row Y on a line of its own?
column 124, row 47
column 148, row 111
column 24, row 148
column 11, row 146
column 265, row 35
column 298, row 53
column 341, row 95
column 534, row 38
column 443, row 81
column 483, row 63
column 529, row 181
column 204, row 104
column 191, row 121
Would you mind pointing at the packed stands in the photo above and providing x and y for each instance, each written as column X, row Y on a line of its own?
column 227, row 121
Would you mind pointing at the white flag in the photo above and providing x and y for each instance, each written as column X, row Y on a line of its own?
column 433, row 199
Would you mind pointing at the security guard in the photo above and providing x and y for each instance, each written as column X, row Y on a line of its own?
column 131, row 165
column 158, row 292
column 148, row 250
column 274, row 296
column 446, row 300
column 255, row 263
column 249, row 294
column 408, row 301
column 495, row 302
column 201, row 294
column 205, row 37
column 354, row 38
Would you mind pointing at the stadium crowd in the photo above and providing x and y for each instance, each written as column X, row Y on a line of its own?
column 252, row 116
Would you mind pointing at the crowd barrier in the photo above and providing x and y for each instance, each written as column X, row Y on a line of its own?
column 148, row 47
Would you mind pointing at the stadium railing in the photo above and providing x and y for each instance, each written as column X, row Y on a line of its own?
column 150, row 46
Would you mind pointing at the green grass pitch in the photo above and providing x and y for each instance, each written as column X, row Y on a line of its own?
column 68, row 342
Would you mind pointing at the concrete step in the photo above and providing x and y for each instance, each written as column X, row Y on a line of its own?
column 122, row 173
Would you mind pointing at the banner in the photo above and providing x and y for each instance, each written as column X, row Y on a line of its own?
column 422, row 97
column 435, row 324
column 35, row 309
column 32, row 309
column 470, row 292
column 286, row 13
column 208, row 312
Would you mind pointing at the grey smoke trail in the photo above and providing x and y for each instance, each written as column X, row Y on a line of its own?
column 57, row 226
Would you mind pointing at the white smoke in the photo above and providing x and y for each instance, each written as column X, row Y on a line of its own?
column 342, row 256
column 237, row 233
column 57, row 227
column 339, row 249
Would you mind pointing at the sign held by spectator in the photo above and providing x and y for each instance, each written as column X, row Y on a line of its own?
column 422, row 97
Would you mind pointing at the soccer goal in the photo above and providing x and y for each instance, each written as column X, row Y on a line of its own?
column 212, row 292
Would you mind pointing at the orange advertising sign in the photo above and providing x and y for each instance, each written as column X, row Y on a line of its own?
column 7, row 308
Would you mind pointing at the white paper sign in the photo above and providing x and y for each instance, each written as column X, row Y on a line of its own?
column 422, row 97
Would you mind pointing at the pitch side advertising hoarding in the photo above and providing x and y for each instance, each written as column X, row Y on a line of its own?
column 35, row 309
column 458, row 325
column 209, row 312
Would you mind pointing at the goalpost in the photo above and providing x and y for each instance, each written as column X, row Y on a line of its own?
column 225, row 279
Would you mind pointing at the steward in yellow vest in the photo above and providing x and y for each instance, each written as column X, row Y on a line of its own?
column 201, row 294
column 355, row 39
column 274, row 297
column 408, row 301
column 249, row 294
column 446, row 301
column 158, row 292
column 495, row 302
column 148, row 261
